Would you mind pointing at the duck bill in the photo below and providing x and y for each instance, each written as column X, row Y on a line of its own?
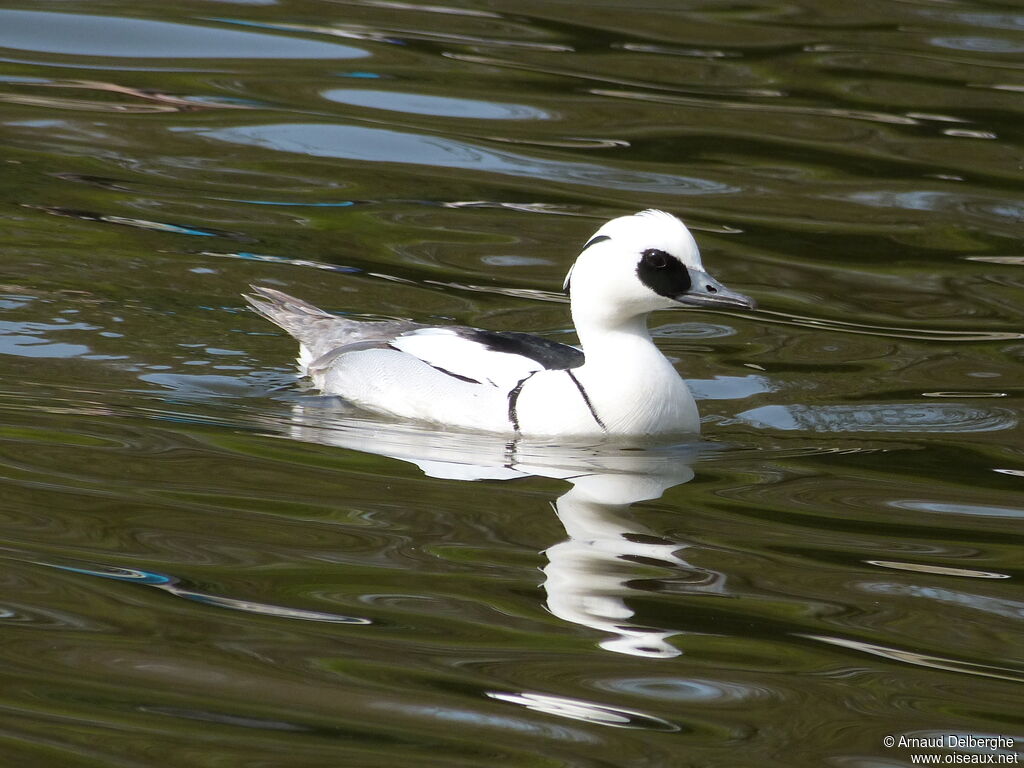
column 705, row 291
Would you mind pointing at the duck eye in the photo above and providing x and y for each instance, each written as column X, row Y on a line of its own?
column 656, row 259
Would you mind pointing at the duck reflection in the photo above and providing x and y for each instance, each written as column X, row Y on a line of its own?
column 592, row 572
column 607, row 555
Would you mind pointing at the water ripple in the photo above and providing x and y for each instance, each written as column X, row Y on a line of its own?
column 440, row 106
column 397, row 35
column 923, row 659
column 703, row 691
column 380, row 145
column 761, row 108
column 172, row 586
column 116, row 36
column 152, row 101
column 18, row 614
column 922, row 334
column 444, row 10
column 31, row 339
column 157, row 226
column 890, row 417
column 576, row 709
column 938, row 570
column 581, row 74
column 1010, row 609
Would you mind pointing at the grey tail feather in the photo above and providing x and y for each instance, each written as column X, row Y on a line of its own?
column 285, row 311
column 279, row 301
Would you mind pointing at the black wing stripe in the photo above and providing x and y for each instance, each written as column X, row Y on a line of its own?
column 513, row 399
column 550, row 354
column 586, row 399
column 445, row 371
column 458, row 376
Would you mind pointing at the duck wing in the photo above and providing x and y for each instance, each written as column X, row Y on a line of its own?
column 496, row 358
column 499, row 358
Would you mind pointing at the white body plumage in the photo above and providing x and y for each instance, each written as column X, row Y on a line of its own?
column 617, row 383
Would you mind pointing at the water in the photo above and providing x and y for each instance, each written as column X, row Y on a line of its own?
column 206, row 565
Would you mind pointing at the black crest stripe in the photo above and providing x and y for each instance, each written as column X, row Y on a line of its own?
column 586, row 399
column 595, row 241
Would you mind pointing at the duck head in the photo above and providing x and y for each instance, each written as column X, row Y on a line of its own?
column 636, row 264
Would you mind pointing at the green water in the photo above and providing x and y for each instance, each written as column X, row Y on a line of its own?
column 205, row 564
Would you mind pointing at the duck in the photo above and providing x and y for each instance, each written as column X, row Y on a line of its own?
column 616, row 383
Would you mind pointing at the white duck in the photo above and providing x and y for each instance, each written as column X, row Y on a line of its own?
column 616, row 383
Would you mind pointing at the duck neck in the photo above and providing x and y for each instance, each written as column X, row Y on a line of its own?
column 614, row 341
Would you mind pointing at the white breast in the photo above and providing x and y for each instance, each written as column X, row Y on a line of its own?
column 604, row 397
column 550, row 403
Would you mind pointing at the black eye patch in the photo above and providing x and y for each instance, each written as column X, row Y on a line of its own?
column 656, row 259
column 663, row 273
